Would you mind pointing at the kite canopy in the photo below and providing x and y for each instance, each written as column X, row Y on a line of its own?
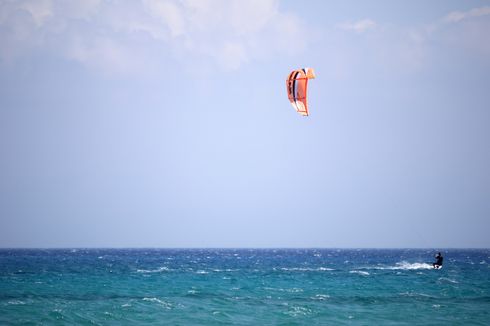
column 297, row 84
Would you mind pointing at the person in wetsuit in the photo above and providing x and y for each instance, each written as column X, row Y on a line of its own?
column 439, row 260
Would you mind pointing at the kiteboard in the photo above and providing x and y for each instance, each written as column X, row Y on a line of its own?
column 437, row 266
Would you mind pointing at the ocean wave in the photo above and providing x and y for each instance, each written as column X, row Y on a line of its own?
column 158, row 270
column 321, row 297
column 288, row 290
column 16, row 302
column 359, row 272
column 306, row 269
column 296, row 311
column 201, row 272
column 404, row 266
column 217, row 270
column 447, row 280
column 165, row 304
column 416, row 295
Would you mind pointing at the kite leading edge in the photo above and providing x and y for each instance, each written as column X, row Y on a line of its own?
column 297, row 84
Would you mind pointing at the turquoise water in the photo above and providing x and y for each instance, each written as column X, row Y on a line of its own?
column 243, row 287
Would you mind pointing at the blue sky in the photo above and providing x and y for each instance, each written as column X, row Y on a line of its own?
column 167, row 124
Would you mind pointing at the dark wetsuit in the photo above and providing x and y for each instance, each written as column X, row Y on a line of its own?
column 439, row 260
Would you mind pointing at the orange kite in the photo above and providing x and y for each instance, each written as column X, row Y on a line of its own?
column 297, row 84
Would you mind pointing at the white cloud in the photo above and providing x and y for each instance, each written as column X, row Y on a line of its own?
column 465, row 31
column 380, row 48
column 233, row 55
column 76, row 9
column 359, row 26
column 169, row 13
column 40, row 10
column 101, row 53
column 457, row 16
column 108, row 34
column 252, row 16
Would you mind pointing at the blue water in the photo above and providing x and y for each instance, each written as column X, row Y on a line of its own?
column 243, row 287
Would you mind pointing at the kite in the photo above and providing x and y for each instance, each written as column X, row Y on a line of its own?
column 297, row 84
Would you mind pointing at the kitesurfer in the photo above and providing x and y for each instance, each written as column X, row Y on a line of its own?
column 438, row 262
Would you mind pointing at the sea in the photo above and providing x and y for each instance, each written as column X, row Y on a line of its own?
column 243, row 287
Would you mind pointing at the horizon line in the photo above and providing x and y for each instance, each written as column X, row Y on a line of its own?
column 242, row 248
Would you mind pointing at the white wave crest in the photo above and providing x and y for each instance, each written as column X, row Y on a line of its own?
column 158, row 270
column 359, row 272
column 217, row 270
column 201, row 272
column 406, row 266
column 16, row 302
column 306, row 269
column 165, row 304
column 448, row 280
column 321, row 297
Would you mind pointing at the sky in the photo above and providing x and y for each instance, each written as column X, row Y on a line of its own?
column 166, row 123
